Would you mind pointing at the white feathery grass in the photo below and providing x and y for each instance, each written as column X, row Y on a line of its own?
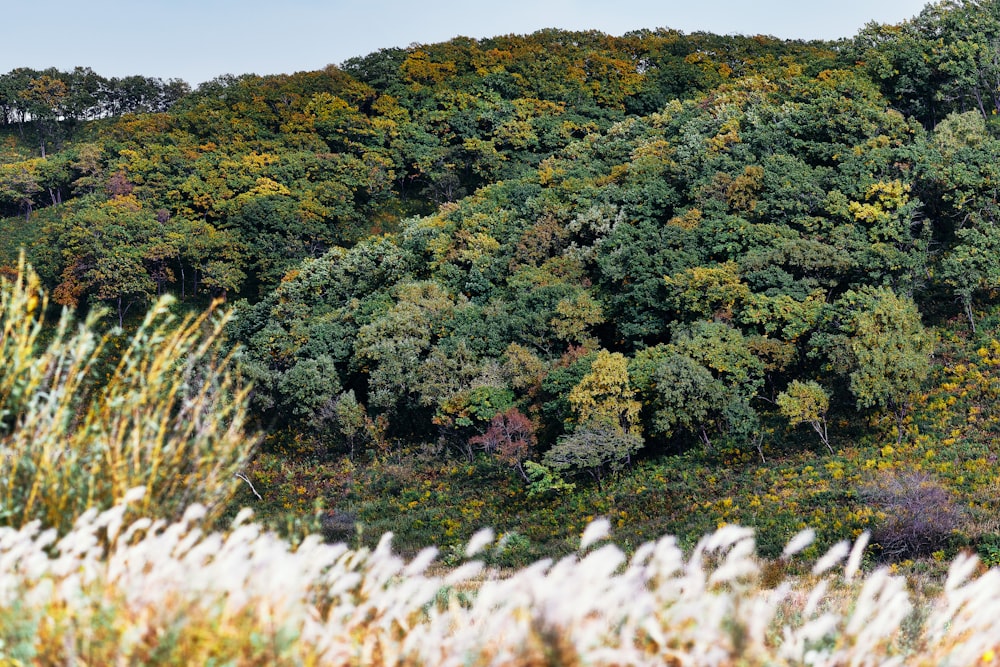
column 854, row 559
column 801, row 540
column 482, row 539
column 596, row 530
column 816, row 596
column 174, row 593
column 831, row 558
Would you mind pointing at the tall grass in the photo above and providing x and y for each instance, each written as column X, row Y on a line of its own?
column 77, row 432
column 169, row 593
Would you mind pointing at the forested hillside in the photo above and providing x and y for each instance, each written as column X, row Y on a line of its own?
column 677, row 280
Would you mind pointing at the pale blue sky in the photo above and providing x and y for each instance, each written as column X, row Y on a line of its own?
column 196, row 40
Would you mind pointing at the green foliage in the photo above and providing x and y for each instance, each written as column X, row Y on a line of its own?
column 596, row 448
column 989, row 550
column 704, row 291
column 717, row 227
column 686, row 396
column 882, row 347
column 394, row 345
column 314, row 315
column 542, row 481
column 309, row 386
column 806, row 403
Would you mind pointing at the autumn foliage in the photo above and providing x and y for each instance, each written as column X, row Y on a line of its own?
column 510, row 438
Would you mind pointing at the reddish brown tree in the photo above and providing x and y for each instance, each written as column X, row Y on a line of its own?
column 510, row 439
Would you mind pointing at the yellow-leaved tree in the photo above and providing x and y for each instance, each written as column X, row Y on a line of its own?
column 607, row 432
column 606, row 396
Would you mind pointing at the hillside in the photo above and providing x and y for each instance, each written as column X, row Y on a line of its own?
column 675, row 280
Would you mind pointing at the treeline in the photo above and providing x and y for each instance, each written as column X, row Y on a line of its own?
column 230, row 186
column 82, row 94
column 51, row 99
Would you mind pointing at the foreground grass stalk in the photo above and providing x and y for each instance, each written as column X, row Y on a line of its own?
column 170, row 416
column 157, row 592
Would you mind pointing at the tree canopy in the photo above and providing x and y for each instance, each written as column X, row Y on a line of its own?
column 652, row 236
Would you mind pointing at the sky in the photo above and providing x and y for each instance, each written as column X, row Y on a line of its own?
column 197, row 40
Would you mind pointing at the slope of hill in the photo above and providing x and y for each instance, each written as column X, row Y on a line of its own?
column 679, row 280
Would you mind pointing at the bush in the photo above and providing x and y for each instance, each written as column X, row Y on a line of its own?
column 169, row 416
column 920, row 514
column 510, row 439
column 339, row 526
column 595, row 448
column 989, row 550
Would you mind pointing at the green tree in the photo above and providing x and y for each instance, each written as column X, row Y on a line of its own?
column 971, row 265
column 703, row 383
column 393, row 346
column 705, row 291
column 45, row 97
column 960, row 173
column 595, row 448
column 106, row 249
column 685, row 397
column 943, row 60
column 806, row 403
column 316, row 313
column 876, row 340
column 19, row 185
column 310, row 388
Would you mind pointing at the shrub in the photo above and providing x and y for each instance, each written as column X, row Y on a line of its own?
column 920, row 514
column 542, row 481
column 168, row 416
column 594, row 448
column 339, row 526
column 989, row 550
column 510, row 549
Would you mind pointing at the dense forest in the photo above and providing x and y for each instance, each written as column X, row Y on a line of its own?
column 678, row 280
